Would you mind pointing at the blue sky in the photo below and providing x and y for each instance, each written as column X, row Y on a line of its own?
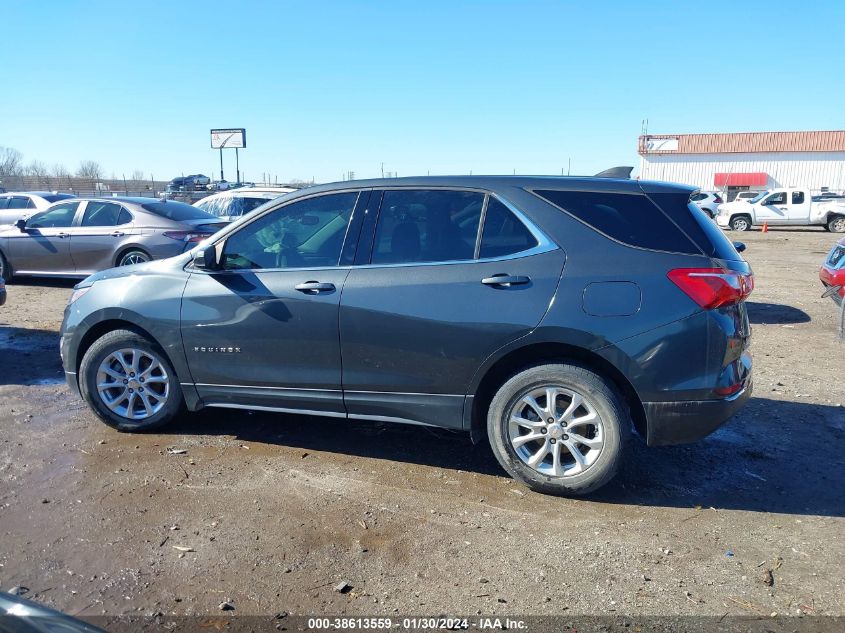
column 325, row 88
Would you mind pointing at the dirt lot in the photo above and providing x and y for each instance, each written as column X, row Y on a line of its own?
column 277, row 510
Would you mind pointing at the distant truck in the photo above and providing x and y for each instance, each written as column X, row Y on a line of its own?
column 782, row 207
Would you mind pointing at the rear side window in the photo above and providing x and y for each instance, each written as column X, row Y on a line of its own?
column 503, row 233
column 427, row 226
column 697, row 225
column 628, row 218
column 104, row 214
column 18, row 202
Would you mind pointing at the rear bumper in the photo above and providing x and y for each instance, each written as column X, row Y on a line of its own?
column 683, row 422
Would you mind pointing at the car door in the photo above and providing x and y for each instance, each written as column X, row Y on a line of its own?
column 798, row 209
column 773, row 208
column 44, row 245
column 96, row 234
column 263, row 331
column 451, row 276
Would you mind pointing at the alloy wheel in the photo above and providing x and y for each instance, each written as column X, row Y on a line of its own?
column 555, row 431
column 134, row 257
column 133, row 383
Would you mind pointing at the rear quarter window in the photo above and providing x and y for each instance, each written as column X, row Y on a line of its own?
column 629, row 218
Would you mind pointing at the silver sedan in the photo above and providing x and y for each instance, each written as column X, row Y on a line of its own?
column 75, row 238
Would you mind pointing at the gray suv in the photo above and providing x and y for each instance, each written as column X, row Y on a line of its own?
column 553, row 315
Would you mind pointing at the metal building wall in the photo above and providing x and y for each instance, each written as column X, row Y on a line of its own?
column 813, row 170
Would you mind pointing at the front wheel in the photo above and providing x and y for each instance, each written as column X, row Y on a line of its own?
column 129, row 382
column 836, row 224
column 558, row 428
column 740, row 223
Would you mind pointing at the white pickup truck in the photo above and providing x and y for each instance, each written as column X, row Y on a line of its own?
column 782, row 207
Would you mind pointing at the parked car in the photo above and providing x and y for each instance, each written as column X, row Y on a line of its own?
column 782, row 207
column 745, row 196
column 75, row 238
column 707, row 201
column 832, row 271
column 2, row 291
column 194, row 182
column 230, row 205
column 448, row 301
column 14, row 206
column 19, row 615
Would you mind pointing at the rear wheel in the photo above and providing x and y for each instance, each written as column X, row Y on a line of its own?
column 558, row 428
column 741, row 223
column 129, row 382
column 836, row 224
column 135, row 256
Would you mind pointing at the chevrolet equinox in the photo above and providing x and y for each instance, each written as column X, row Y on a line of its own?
column 556, row 315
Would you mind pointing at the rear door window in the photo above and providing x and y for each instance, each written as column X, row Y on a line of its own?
column 503, row 232
column 427, row 226
column 628, row 218
column 103, row 214
column 19, row 202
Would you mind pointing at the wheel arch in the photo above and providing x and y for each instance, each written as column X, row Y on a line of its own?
column 109, row 325
column 126, row 249
column 535, row 353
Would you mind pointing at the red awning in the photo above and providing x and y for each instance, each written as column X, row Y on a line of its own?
column 753, row 179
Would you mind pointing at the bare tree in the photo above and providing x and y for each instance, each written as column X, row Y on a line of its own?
column 36, row 168
column 60, row 171
column 10, row 161
column 89, row 169
column 138, row 174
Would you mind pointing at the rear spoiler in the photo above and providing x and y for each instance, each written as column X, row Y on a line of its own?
column 615, row 172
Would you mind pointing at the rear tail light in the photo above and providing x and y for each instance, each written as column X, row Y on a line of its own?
column 717, row 199
column 713, row 287
column 186, row 236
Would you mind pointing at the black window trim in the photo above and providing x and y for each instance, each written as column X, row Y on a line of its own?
column 613, row 239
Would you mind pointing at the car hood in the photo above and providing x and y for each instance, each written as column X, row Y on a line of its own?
column 155, row 267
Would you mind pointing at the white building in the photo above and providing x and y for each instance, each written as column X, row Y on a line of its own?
column 747, row 161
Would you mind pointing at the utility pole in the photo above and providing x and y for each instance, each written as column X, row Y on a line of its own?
column 221, row 164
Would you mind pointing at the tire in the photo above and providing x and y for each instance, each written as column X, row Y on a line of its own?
column 133, row 256
column 5, row 269
column 741, row 223
column 608, row 429
column 836, row 224
column 116, row 405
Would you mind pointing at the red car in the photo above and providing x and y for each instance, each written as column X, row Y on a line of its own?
column 832, row 271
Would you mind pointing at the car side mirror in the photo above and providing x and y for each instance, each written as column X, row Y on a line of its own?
column 21, row 224
column 739, row 246
column 206, row 259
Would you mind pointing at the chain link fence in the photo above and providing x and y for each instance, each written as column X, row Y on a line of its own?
column 85, row 186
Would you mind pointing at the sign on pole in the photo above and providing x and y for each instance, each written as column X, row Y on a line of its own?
column 235, row 137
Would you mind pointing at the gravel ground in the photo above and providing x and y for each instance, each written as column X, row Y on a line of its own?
column 271, row 512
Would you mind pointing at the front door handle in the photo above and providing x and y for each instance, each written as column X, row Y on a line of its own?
column 314, row 287
column 63, row 235
column 506, row 280
column 118, row 234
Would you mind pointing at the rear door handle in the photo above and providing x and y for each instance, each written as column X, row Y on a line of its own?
column 506, row 280
column 118, row 234
column 63, row 235
column 314, row 287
